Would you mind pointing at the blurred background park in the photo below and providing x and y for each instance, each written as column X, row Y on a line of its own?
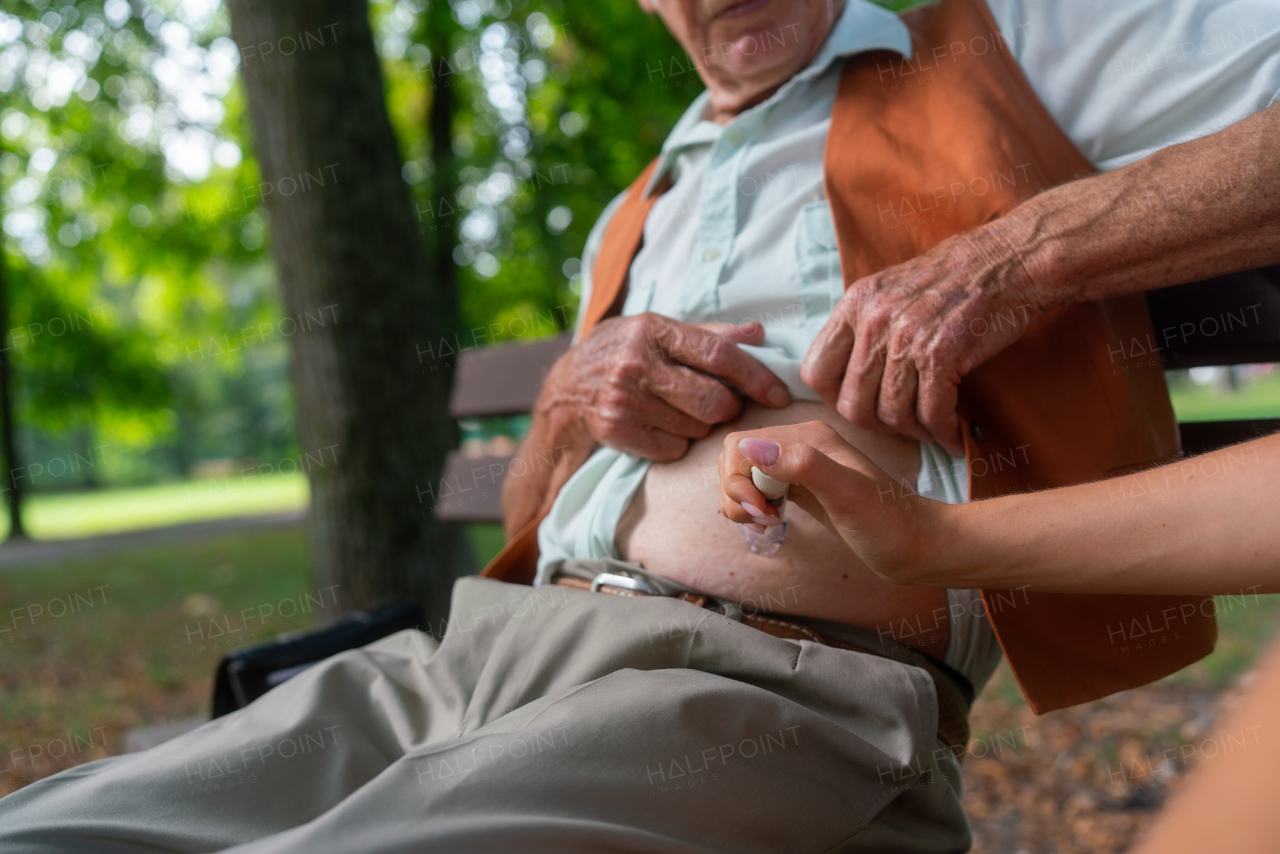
column 147, row 348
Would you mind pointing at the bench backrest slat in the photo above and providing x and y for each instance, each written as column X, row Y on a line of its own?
column 1230, row 320
column 471, row 489
column 504, row 379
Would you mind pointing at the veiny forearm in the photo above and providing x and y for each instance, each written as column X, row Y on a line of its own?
column 1206, row 525
column 1188, row 212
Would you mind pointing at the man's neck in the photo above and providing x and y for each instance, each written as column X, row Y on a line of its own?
column 730, row 99
column 728, row 114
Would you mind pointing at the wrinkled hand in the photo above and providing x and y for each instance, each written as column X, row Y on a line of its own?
column 891, row 356
column 890, row 528
column 647, row 384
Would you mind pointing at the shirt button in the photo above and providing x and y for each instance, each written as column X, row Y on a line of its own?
column 711, row 255
column 735, row 137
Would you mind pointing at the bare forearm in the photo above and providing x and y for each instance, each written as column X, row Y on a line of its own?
column 1188, row 212
column 1205, row 525
column 1228, row 804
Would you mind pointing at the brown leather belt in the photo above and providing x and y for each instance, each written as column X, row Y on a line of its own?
column 953, row 717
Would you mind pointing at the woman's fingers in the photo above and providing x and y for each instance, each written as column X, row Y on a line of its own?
column 802, row 464
column 813, row 455
column 740, row 501
column 886, row 527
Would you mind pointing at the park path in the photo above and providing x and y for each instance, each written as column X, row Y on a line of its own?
column 28, row 554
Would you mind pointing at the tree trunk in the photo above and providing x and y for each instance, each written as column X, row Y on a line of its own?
column 372, row 417
column 444, row 181
column 8, row 443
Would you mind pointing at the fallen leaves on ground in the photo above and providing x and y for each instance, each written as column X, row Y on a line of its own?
column 1089, row 779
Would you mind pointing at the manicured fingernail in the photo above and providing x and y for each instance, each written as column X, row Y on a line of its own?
column 762, row 452
column 759, row 529
column 778, row 396
column 760, row 516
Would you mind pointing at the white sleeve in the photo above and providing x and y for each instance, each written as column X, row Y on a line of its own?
column 1124, row 78
column 594, row 238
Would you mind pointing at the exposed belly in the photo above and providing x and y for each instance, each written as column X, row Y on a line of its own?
column 673, row 528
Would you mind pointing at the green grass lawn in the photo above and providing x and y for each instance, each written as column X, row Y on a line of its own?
column 133, row 647
column 1258, row 399
column 81, row 514
column 136, row 644
column 55, row 516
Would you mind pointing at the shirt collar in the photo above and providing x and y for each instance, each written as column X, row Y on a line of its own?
column 863, row 26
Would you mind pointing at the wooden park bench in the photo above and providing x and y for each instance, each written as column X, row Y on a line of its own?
column 500, row 380
column 1231, row 320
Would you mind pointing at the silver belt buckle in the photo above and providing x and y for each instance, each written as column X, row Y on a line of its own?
column 626, row 582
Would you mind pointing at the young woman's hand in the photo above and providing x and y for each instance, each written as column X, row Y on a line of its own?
column 886, row 524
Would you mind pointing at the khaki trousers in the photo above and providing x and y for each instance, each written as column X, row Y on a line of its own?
column 547, row 720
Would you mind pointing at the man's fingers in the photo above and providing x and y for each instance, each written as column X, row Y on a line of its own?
column 828, row 358
column 645, row 425
column 749, row 332
column 896, row 405
column 861, row 387
column 645, row 441
column 714, row 354
column 656, row 414
column 937, row 408
column 702, row 397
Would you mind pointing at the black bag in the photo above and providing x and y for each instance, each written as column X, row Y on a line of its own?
column 244, row 675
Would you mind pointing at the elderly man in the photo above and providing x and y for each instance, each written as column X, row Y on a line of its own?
column 874, row 241
column 720, row 699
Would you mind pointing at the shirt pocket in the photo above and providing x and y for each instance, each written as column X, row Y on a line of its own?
column 818, row 257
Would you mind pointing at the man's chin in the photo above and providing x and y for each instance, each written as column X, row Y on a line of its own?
column 743, row 79
column 749, row 49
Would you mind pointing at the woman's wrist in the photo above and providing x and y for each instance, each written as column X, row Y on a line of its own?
column 948, row 549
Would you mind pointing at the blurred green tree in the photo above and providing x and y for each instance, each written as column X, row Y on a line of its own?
column 133, row 242
column 143, row 311
column 557, row 109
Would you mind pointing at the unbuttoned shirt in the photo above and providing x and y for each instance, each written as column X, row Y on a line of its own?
column 745, row 233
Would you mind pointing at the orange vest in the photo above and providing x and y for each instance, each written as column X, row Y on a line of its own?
column 923, row 149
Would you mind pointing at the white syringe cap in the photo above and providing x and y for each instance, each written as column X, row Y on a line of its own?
column 769, row 487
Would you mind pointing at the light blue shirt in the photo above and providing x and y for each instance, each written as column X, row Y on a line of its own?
column 745, row 232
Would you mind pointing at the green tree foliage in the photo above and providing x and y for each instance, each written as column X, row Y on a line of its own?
column 144, row 313
column 559, row 108
column 132, row 236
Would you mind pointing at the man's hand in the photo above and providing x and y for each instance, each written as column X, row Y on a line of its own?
column 899, row 342
column 892, row 354
column 647, row 384
column 643, row 384
column 886, row 524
